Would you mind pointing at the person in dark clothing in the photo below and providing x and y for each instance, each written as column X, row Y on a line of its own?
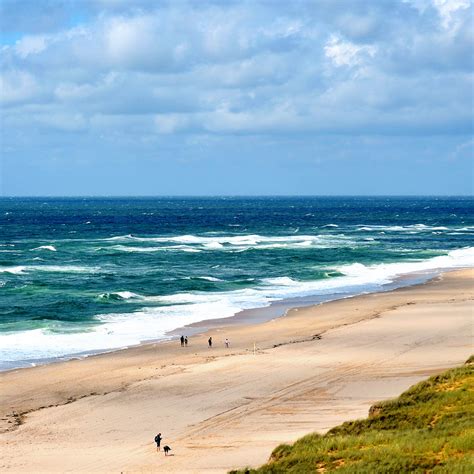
column 210, row 342
column 166, row 449
column 158, row 441
column 186, row 341
column 182, row 341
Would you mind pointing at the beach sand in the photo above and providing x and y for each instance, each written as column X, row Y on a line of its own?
column 222, row 408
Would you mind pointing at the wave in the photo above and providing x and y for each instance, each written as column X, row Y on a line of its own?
column 135, row 249
column 17, row 270
column 386, row 272
column 52, row 248
column 229, row 243
column 247, row 239
column 124, row 248
column 352, row 277
column 414, row 228
column 122, row 295
column 21, row 269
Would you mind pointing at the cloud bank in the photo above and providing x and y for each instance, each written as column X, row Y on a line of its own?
column 164, row 75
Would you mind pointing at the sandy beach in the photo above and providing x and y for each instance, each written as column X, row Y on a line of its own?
column 223, row 408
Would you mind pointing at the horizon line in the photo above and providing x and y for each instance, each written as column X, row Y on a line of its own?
column 154, row 196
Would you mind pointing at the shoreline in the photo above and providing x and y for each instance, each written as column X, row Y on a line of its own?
column 225, row 408
column 276, row 309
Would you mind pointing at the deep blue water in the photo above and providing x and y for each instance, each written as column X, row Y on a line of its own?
column 89, row 274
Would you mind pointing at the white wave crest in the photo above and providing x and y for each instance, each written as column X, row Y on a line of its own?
column 285, row 281
column 135, row 249
column 386, row 272
column 415, row 228
column 52, row 248
column 124, row 295
column 232, row 243
column 17, row 270
column 48, row 268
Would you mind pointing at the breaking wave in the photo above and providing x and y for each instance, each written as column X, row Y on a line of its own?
column 21, row 269
column 52, row 248
column 235, row 243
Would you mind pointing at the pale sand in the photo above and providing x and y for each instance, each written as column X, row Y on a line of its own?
column 220, row 409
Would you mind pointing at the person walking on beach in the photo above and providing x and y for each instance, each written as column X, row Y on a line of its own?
column 210, row 342
column 158, row 441
column 186, row 341
column 182, row 341
column 227, row 342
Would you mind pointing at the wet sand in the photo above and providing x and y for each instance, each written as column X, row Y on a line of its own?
column 225, row 408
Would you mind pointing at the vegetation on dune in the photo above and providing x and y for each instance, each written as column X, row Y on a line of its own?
column 429, row 428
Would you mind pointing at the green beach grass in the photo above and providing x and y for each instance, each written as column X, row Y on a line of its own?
column 429, row 428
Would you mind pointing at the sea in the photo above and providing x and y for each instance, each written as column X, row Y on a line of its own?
column 86, row 275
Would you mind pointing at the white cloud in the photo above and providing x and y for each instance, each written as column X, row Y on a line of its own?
column 129, row 40
column 238, row 68
column 448, row 10
column 30, row 45
column 345, row 53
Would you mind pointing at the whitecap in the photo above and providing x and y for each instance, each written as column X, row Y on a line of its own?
column 16, row 270
column 125, row 295
column 386, row 272
column 20, row 269
column 213, row 245
column 286, row 281
column 62, row 268
column 208, row 278
column 52, row 248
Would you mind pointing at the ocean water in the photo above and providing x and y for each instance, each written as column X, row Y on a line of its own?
column 88, row 274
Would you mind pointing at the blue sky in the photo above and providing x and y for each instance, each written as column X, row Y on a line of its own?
column 121, row 97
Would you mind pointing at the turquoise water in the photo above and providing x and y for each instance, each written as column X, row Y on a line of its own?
column 86, row 274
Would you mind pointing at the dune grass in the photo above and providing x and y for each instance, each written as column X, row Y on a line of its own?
column 429, row 428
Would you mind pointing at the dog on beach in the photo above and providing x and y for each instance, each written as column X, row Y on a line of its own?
column 166, row 449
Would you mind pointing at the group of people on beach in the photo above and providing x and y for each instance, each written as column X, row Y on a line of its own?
column 184, row 342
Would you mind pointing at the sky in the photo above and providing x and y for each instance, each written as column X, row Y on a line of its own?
column 328, row 97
